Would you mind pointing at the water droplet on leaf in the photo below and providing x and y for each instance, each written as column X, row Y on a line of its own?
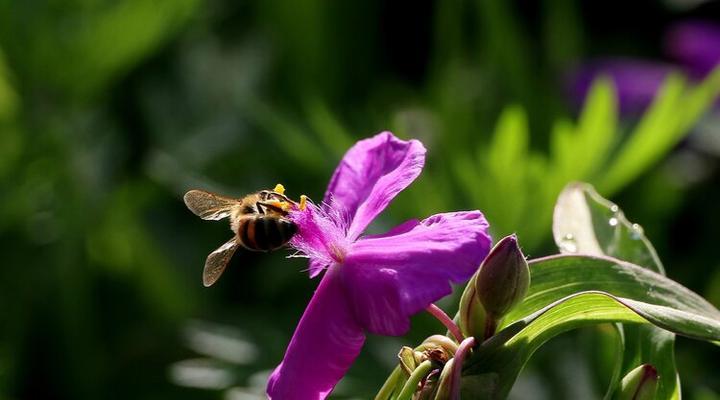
column 638, row 231
column 613, row 221
column 568, row 243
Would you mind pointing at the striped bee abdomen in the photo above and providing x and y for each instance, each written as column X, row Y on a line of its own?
column 265, row 232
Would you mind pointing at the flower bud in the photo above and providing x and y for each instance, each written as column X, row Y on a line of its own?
column 471, row 318
column 437, row 348
column 639, row 384
column 503, row 278
column 439, row 342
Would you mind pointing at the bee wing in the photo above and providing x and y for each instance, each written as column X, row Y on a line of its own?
column 208, row 205
column 217, row 261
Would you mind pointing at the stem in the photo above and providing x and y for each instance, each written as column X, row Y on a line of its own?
column 438, row 313
column 412, row 383
column 462, row 350
column 390, row 385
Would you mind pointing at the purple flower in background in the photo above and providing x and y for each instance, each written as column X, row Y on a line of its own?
column 371, row 283
column 694, row 45
column 636, row 81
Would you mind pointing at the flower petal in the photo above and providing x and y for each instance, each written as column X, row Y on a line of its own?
column 325, row 343
column 390, row 278
column 321, row 236
column 370, row 175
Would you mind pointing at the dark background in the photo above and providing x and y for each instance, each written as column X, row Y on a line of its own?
column 111, row 110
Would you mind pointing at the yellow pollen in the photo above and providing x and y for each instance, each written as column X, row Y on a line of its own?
column 279, row 188
column 303, row 202
column 285, row 206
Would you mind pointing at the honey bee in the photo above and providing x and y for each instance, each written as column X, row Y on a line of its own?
column 259, row 221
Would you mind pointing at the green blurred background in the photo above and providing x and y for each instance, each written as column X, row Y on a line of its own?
column 111, row 110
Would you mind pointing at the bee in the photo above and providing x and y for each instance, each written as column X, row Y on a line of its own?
column 259, row 221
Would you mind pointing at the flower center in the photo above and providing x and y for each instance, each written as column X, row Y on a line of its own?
column 337, row 252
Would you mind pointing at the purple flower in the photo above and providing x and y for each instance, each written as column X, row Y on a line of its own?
column 636, row 81
column 371, row 283
column 695, row 45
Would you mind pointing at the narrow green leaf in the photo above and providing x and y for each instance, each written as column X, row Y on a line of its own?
column 505, row 45
column 9, row 99
column 328, row 128
column 510, row 141
column 505, row 164
column 699, row 99
column 595, row 132
column 596, row 128
column 562, row 32
column 656, row 133
column 671, row 116
column 543, row 189
column 563, row 150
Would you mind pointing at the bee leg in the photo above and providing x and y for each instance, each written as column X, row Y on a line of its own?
column 259, row 207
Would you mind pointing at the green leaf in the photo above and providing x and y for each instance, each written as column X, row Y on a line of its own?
column 81, row 49
column 505, row 165
column 328, row 128
column 506, row 353
column 596, row 127
column 9, row 99
column 294, row 141
column 670, row 117
column 652, row 345
column 582, row 273
column 699, row 99
column 655, row 134
column 11, row 139
column 505, row 46
column 509, row 142
column 595, row 130
column 555, row 277
column 618, row 367
column 586, row 223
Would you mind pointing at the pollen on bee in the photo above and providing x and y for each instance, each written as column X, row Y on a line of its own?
column 279, row 188
column 283, row 205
